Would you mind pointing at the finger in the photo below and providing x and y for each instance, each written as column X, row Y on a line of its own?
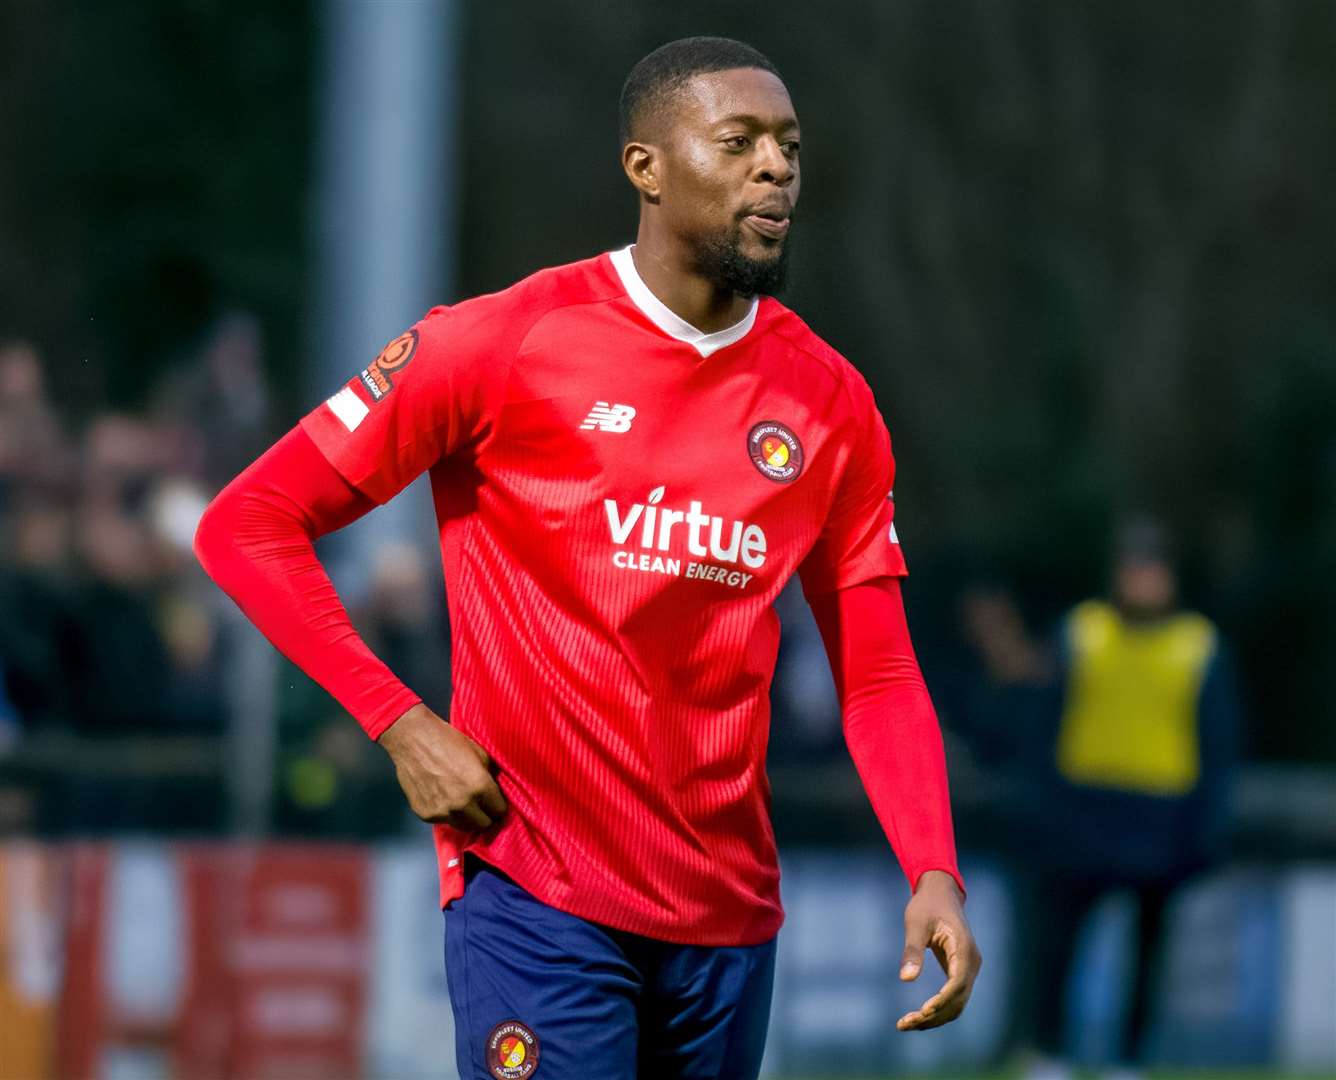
column 916, row 940
column 491, row 799
column 952, row 993
column 947, row 948
column 918, row 1020
column 939, row 1009
column 469, row 819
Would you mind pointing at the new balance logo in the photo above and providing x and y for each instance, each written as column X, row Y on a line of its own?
column 605, row 417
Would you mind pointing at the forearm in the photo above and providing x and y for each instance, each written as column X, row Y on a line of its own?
column 896, row 745
column 889, row 723
column 256, row 542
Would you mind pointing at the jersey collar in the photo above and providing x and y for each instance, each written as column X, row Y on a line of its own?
column 668, row 321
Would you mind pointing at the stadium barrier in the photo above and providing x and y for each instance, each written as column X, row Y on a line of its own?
column 152, row 959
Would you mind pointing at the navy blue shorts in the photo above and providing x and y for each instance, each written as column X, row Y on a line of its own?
column 537, row 992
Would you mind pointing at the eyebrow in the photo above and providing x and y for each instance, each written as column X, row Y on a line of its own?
column 756, row 121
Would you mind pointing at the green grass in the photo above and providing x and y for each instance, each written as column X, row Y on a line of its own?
column 1154, row 1074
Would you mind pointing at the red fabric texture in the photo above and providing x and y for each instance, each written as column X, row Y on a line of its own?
column 255, row 541
column 890, row 725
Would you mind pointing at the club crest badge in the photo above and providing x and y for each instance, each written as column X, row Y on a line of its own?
column 394, row 356
column 512, row 1051
column 775, row 451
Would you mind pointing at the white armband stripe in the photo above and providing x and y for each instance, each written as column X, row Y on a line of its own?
column 348, row 407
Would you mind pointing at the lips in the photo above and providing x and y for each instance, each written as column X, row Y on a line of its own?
column 772, row 223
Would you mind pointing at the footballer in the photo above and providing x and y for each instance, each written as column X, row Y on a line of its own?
column 629, row 458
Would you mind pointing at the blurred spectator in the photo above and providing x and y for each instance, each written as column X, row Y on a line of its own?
column 218, row 404
column 37, row 608
column 33, row 452
column 121, row 655
column 146, row 644
column 36, row 477
column 999, row 701
column 122, row 457
column 186, row 612
column 1142, row 757
column 35, row 473
column 35, row 615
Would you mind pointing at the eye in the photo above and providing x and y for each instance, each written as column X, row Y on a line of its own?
column 791, row 148
column 737, row 142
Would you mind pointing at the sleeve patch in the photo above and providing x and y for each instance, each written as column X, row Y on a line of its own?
column 348, row 407
column 394, row 356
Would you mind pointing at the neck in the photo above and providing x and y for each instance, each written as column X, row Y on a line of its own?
column 664, row 265
column 1143, row 616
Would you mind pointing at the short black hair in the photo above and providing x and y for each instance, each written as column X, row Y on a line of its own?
column 664, row 71
column 1143, row 538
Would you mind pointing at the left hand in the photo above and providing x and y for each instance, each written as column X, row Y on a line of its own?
column 934, row 918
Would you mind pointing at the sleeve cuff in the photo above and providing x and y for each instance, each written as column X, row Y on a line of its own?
column 377, row 721
column 946, row 869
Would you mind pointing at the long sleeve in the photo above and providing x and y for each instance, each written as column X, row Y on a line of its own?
column 890, row 725
column 256, row 541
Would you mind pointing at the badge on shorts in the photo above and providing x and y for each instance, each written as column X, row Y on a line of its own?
column 512, row 1051
column 775, row 451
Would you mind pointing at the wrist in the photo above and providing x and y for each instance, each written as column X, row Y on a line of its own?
column 392, row 703
column 940, row 881
column 405, row 726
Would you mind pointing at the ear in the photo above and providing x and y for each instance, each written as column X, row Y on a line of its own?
column 641, row 163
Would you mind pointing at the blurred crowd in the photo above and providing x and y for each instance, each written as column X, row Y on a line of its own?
column 107, row 630
column 115, row 650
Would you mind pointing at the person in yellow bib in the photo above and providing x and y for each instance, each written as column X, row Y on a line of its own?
column 1145, row 742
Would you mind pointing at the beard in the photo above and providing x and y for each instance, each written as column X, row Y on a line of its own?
column 719, row 259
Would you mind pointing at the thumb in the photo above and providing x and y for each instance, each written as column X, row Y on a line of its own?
column 916, row 940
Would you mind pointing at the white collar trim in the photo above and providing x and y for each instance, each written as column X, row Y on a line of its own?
column 669, row 321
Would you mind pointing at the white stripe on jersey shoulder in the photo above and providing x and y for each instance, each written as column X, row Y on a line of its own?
column 669, row 321
column 348, row 407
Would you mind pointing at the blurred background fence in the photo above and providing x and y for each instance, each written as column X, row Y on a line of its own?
column 1081, row 252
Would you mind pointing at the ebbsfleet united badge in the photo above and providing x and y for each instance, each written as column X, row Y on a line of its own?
column 775, row 451
column 512, row 1051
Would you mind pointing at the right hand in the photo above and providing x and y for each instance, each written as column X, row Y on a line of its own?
column 445, row 775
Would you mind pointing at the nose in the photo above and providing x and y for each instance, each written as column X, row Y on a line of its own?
column 772, row 165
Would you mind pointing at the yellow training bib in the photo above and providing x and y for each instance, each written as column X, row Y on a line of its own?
column 1130, row 718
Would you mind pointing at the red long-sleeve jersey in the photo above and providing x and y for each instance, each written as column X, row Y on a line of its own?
column 620, row 500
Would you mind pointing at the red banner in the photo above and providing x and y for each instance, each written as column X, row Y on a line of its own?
column 277, row 981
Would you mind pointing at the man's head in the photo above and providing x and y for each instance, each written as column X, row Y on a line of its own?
column 1145, row 586
column 710, row 140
